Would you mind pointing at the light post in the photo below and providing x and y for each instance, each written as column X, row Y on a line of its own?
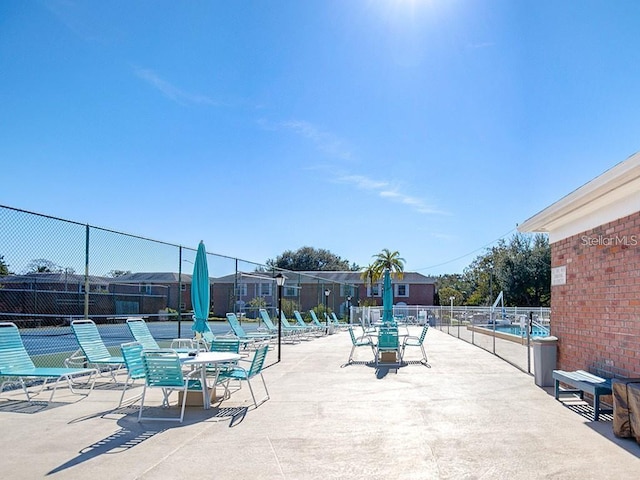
column 451, row 314
column 349, row 307
column 327, row 292
column 280, row 278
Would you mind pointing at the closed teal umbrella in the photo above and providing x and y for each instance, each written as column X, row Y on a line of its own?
column 387, row 298
column 200, row 290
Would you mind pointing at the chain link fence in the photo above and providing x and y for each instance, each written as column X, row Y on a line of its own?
column 506, row 332
column 53, row 271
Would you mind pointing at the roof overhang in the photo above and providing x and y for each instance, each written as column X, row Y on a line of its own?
column 612, row 195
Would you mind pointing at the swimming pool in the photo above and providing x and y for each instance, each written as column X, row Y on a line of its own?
column 520, row 332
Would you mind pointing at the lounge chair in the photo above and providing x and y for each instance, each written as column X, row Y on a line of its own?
column 15, row 362
column 417, row 341
column 140, row 331
column 163, row 369
column 287, row 334
column 303, row 331
column 247, row 339
column 362, row 341
column 313, row 328
column 255, row 368
column 132, row 354
column 338, row 323
column 92, row 349
column 314, row 319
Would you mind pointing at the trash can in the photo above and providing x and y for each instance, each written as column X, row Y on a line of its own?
column 544, row 360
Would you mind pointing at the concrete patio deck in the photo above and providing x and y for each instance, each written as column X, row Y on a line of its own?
column 469, row 416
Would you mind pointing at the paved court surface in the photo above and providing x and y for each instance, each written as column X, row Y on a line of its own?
column 469, row 416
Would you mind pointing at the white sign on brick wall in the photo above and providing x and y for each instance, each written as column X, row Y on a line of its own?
column 559, row 275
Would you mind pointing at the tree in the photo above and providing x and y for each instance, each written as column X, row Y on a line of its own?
column 42, row 265
column 118, row 273
column 389, row 260
column 452, row 285
column 370, row 275
column 310, row 259
column 4, row 267
column 520, row 268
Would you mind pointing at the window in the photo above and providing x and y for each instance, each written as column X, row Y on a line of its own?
column 376, row 291
column 289, row 291
column 145, row 288
column 402, row 290
column 346, row 290
column 264, row 290
column 183, row 306
column 183, row 287
column 241, row 290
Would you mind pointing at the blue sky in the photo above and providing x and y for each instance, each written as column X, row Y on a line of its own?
column 427, row 127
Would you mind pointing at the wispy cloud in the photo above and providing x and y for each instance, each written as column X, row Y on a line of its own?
column 389, row 192
column 324, row 141
column 171, row 91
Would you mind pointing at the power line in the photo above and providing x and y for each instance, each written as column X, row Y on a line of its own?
column 466, row 254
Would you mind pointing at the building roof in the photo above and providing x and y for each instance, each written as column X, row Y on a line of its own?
column 53, row 277
column 608, row 197
column 345, row 277
column 152, row 277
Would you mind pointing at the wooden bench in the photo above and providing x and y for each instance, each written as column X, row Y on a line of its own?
column 582, row 382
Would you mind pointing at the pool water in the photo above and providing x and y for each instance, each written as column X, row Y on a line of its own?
column 521, row 332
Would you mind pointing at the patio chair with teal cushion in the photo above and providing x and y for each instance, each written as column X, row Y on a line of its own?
column 163, row 369
column 15, row 363
column 92, row 348
column 313, row 328
column 362, row 341
column 255, row 368
column 417, row 341
column 388, row 341
column 132, row 354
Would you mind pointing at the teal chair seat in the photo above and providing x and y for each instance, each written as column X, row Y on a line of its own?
column 241, row 373
column 362, row 341
column 417, row 341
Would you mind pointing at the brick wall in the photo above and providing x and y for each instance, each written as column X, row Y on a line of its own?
column 596, row 314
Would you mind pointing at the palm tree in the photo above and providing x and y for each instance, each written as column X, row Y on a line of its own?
column 391, row 260
column 370, row 274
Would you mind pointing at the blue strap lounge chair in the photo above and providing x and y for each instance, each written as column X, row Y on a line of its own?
column 290, row 335
column 314, row 319
column 93, row 351
column 302, row 331
column 313, row 328
column 140, row 331
column 245, row 338
column 338, row 323
column 15, row 363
